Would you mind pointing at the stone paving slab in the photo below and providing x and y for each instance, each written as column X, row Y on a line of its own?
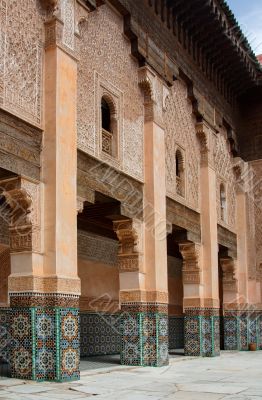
column 233, row 376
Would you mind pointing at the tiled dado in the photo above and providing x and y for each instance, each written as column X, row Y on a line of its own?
column 144, row 334
column 5, row 340
column 176, row 332
column 202, row 332
column 100, row 334
column 45, row 340
column 241, row 329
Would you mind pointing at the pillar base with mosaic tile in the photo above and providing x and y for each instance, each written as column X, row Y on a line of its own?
column 202, row 332
column 242, row 328
column 144, row 334
column 45, row 337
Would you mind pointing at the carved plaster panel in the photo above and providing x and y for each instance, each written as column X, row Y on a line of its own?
column 180, row 131
column 224, row 168
column 97, row 248
column 21, row 54
column 5, row 270
column 104, row 31
column 68, row 17
column 257, row 193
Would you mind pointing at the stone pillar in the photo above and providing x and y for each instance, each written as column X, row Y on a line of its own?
column 144, row 327
column 143, row 254
column 231, row 307
column 201, row 324
column 44, row 286
column 201, row 301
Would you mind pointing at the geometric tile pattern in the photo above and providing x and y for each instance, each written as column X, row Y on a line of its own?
column 176, row 332
column 5, row 342
column 259, row 329
column 144, row 339
column 21, row 331
column 69, row 342
column 99, row 334
column 241, row 329
column 231, row 333
column 45, row 343
column 202, row 335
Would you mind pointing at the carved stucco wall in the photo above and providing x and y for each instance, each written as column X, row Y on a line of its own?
column 180, row 131
column 97, row 248
column 105, row 60
column 225, row 174
column 257, row 193
column 5, row 270
column 21, row 53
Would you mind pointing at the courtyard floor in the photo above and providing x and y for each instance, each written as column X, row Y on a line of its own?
column 233, row 375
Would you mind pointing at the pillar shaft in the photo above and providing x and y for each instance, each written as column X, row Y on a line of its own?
column 44, row 285
column 201, row 301
column 143, row 281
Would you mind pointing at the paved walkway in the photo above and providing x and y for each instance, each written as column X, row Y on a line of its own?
column 231, row 376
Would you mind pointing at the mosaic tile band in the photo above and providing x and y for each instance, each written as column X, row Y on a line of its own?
column 44, row 300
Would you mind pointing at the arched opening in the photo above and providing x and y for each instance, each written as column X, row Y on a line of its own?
column 100, row 338
column 106, row 115
column 180, row 183
column 109, row 126
column 222, row 203
column 175, row 293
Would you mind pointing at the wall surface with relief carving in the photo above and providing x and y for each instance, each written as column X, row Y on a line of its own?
column 180, row 132
column 225, row 175
column 21, row 53
column 105, row 61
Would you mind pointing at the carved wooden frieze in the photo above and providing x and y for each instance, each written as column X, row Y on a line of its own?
column 184, row 217
column 20, row 146
column 227, row 239
column 93, row 175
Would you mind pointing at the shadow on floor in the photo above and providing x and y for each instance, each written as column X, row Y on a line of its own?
column 176, row 353
column 108, row 361
column 4, row 369
column 98, row 362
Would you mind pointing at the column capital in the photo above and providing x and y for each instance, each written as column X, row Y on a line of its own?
column 130, row 247
column 22, row 209
column 230, row 283
column 191, row 263
column 62, row 27
column 205, row 135
column 156, row 94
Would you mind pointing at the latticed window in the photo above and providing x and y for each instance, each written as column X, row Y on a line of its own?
column 180, row 175
column 109, row 127
column 223, row 203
